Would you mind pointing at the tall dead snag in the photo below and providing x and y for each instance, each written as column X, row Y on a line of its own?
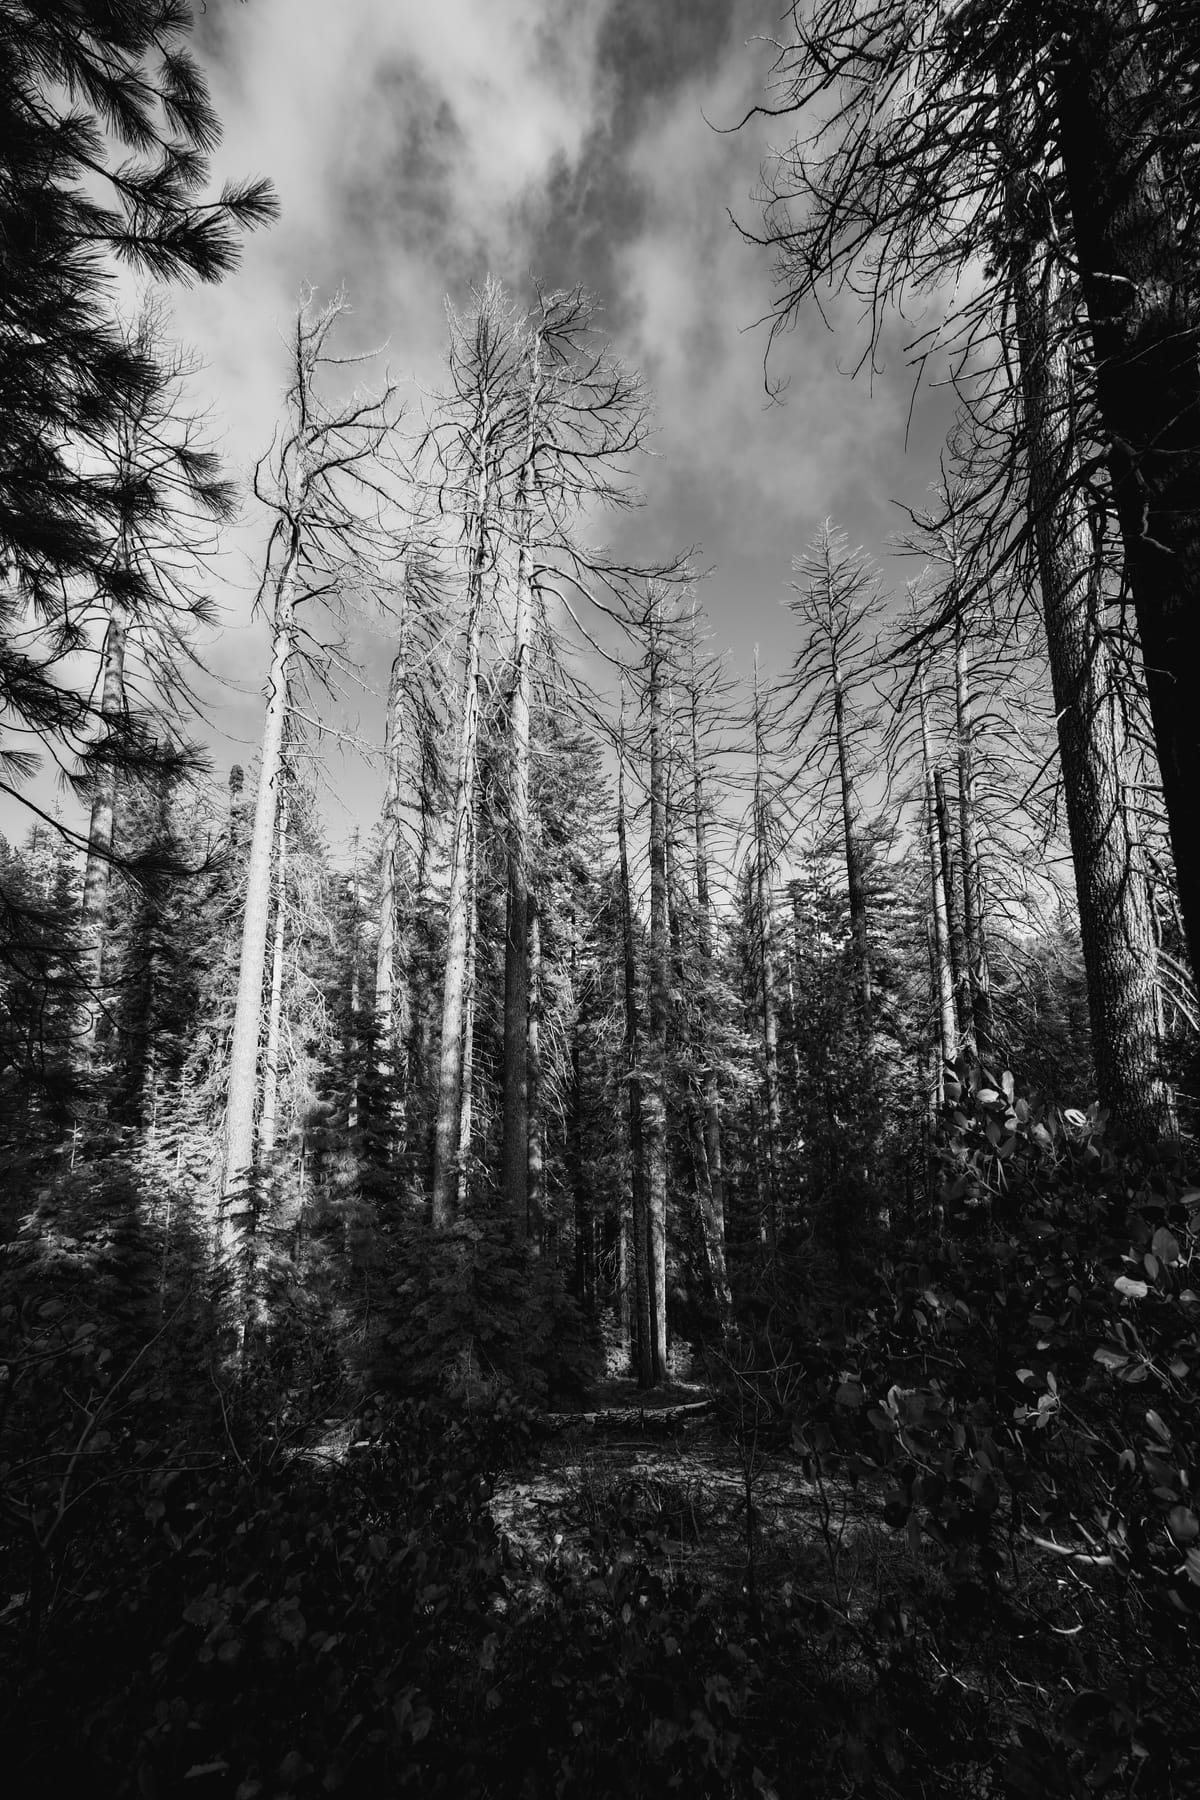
column 325, row 455
column 1116, row 927
column 642, row 1277
column 770, row 1126
column 659, row 1009
column 392, row 1020
column 941, row 943
column 270, row 1096
column 974, row 897
column 700, row 680
column 837, row 598
column 472, row 434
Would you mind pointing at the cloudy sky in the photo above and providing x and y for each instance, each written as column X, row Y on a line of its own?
column 418, row 145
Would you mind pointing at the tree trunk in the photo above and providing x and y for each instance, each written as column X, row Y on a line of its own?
column 711, row 1182
column 466, row 1106
column 515, row 1150
column 955, row 946
column 536, row 1116
column 585, row 1251
column 633, row 1070
column 771, row 1125
column 1137, row 271
column 236, row 1216
column 454, row 992
column 856, row 887
column 974, row 908
column 93, row 917
column 270, row 1099
column 391, row 976
column 943, row 973
column 1114, row 912
column 655, row 1100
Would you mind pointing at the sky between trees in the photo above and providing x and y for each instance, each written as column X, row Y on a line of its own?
column 418, row 148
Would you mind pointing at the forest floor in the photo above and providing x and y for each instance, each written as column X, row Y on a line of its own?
column 723, row 1510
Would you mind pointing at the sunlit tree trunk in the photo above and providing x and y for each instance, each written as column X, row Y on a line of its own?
column 974, row 901
column 943, row 972
column 642, row 1277
column 658, row 1012
column 270, row 1099
column 466, row 1108
column 391, row 975
column 711, row 1187
column 454, row 992
column 770, row 1122
column 237, row 1197
column 537, row 1109
column 1116, row 927
column 955, row 946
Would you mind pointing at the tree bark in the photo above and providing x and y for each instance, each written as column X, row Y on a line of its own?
column 856, row 887
column 974, row 903
column 466, row 1104
column 943, row 973
column 770, row 1128
column 1116, row 928
column 536, row 1116
column 236, row 1216
column 633, row 1076
column 391, row 976
column 709, row 1167
column 1137, row 272
column 955, row 946
column 270, row 1097
column 655, row 1097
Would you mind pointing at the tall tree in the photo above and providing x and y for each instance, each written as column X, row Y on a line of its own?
column 326, row 456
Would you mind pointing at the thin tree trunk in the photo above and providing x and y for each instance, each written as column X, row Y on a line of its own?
column 454, row 992
column 270, row 1099
column 712, row 1187
column 391, row 975
column 515, row 1148
column 771, row 1126
column 655, row 1099
column 1137, row 272
column 236, row 1217
column 466, row 1111
column 943, row 972
column 856, row 887
column 1116, row 928
column 955, row 946
column 633, row 1070
column 536, row 1116
column 974, row 905
column 93, row 918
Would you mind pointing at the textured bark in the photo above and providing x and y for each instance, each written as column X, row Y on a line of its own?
column 93, row 917
column 856, row 887
column 658, row 1012
column 974, row 911
column 711, row 1187
column 955, row 948
column 270, row 1097
column 633, row 1079
column 770, row 1124
column 466, row 1099
column 247, row 1023
column 536, row 1196
column 940, row 944
column 454, row 991
column 585, row 1224
column 1138, row 275
column 515, row 1147
column 392, row 999
column 1116, row 927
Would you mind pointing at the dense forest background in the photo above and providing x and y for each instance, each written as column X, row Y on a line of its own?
column 813, row 1057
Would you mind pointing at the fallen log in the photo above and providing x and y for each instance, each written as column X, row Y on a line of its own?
column 652, row 1421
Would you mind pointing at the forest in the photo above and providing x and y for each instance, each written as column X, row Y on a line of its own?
column 658, row 1262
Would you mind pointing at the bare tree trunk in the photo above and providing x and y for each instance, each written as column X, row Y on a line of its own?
column 270, row 1098
column 943, row 972
column 391, row 976
column 856, row 887
column 93, row 917
column 711, row 1182
column 236, row 1217
column 454, row 992
column 466, row 1114
column 955, row 946
column 633, row 1059
column 1116, row 928
column 655, row 1098
column 974, row 905
column 537, row 1112
column 515, row 1153
column 770, row 1126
